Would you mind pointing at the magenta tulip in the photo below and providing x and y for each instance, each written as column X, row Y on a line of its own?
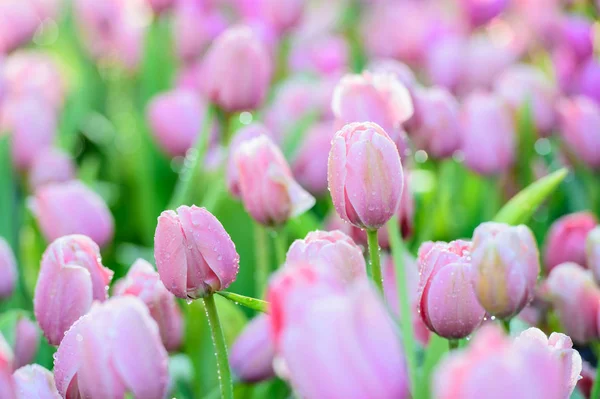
column 579, row 120
column 144, row 282
column 8, row 269
column 365, row 175
column 194, row 254
column 8, row 388
column 51, row 166
column 71, row 277
column 592, row 251
column 114, row 349
column 479, row 12
column 565, row 241
column 87, row 212
column 268, row 190
column 252, row 352
column 34, row 381
column 27, row 338
column 446, row 272
column 245, row 86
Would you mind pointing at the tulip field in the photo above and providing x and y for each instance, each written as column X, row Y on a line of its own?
column 299, row 199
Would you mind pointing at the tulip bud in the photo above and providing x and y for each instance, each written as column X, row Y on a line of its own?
column 245, row 86
column 27, row 337
column 587, row 80
column 310, row 163
column 579, row 120
column 326, row 55
column 506, row 266
column 479, row 12
column 159, row 6
column 194, row 254
column 484, row 60
column 282, row 15
column 34, row 381
column 144, row 282
column 576, row 300
column 399, row 69
column 87, row 212
column 504, row 369
column 246, row 133
column 268, row 190
column 447, row 301
column 494, row 151
column 592, row 250
column 8, row 270
column 71, row 277
column 566, row 239
column 18, row 23
column 365, row 175
column 378, row 98
column 445, row 63
column 333, row 250
column 112, row 350
column 51, row 166
column 8, row 387
column 252, row 352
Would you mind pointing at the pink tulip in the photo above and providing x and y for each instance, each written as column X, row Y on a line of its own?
column 18, row 23
column 506, row 266
column 523, row 83
column 112, row 350
column 399, row 69
column 488, row 134
column 320, row 55
column 484, row 61
column 310, row 163
column 144, row 282
column 573, row 33
column 435, row 126
column 331, row 334
column 252, row 352
column 561, row 347
column 592, row 251
column 176, row 118
column 34, row 381
column 8, row 388
column 446, row 272
column 251, row 131
column 87, row 212
column 268, row 190
column 27, row 337
column 378, row 98
column 365, row 175
column 333, row 250
column 282, row 15
column 71, row 277
column 587, row 80
column 445, row 62
column 245, row 86
column 500, row 368
column 51, row 166
column 479, row 12
column 194, row 254
column 8, row 270
column 566, row 239
column 579, row 120
column 160, row 6
column 576, row 300
column 32, row 125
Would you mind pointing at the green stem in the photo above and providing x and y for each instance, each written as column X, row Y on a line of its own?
column 596, row 387
column 375, row 260
column 246, row 301
column 280, row 246
column 223, row 370
column 261, row 256
column 506, row 325
column 188, row 176
column 453, row 344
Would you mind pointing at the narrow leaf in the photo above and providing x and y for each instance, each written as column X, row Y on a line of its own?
column 249, row 302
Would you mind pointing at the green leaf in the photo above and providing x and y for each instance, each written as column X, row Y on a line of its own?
column 523, row 205
column 8, row 324
column 251, row 303
column 527, row 136
column 436, row 350
column 8, row 206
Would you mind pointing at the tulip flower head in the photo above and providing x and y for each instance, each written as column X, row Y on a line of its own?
column 566, row 239
column 252, row 352
column 8, row 269
column 592, row 249
column 34, row 381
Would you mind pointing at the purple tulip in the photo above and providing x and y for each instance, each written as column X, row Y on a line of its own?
column 282, row 15
column 114, row 349
column 8, row 388
column 445, row 63
column 252, row 352
column 34, row 381
column 399, row 69
column 27, row 337
column 18, row 23
column 484, row 61
column 51, row 166
column 194, row 254
column 160, row 6
column 328, row 55
column 8, row 269
column 587, row 80
column 71, row 277
column 480, row 12
column 592, row 250
column 310, row 163
column 566, row 239
column 579, row 121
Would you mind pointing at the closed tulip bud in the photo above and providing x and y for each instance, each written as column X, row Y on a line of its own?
column 8, row 387
column 488, row 134
column 333, row 250
column 592, row 250
column 506, row 266
column 18, row 23
column 365, row 175
column 337, row 323
column 252, row 352
column 27, row 337
column 579, row 120
column 447, row 301
column 71, row 277
column 176, row 118
column 268, row 190
column 144, row 282
column 576, row 300
column 310, row 163
column 87, row 212
column 251, row 131
column 34, row 381
column 566, row 239
column 378, row 98
column 194, row 254
column 238, row 47
column 195, row 25
column 8, row 269
column 479, row 12
column 51, row 166
column 561, row 347
column 502, row 368
column 113, row 350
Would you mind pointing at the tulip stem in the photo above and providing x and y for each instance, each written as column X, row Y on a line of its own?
column 261, row 256
column 224, row 373
column 188, row 177
column 375, row 261
column 280, row 246
column 506, row 325
column 453, row 344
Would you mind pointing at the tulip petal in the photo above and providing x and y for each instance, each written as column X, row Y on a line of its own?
column 170, row 253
